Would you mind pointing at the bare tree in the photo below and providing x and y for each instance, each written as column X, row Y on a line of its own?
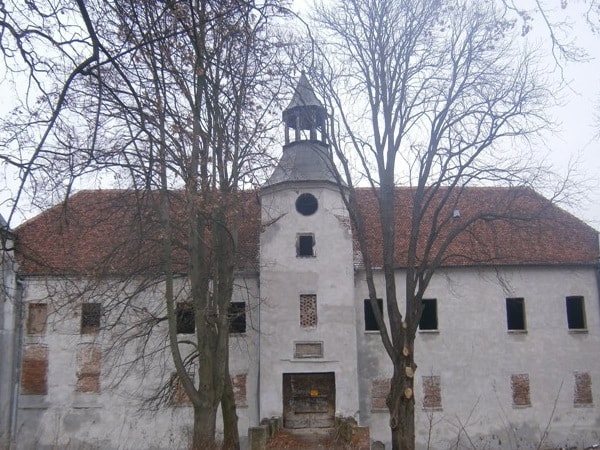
column 430, row 94
column 176, row 94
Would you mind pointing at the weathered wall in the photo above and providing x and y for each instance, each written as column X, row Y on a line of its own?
column 475, row 356
column 116, row 416
column 284, row 277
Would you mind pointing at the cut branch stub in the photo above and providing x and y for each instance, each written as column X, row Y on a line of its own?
column 408, row 392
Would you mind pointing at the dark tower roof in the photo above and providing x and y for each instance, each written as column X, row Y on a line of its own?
column 306, row 155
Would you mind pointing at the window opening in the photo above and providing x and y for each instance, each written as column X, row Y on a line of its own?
column 429, row 319
column 237, row 317
column 432, row 392
column 515, row 313
column 308, row 311
column 576, row 313
column 370, row 321
column 519, row 384
column 306, row 245
column 36, row 318
column 90, row 317
column 34, row 371
column 307, row 204
column 185, row 318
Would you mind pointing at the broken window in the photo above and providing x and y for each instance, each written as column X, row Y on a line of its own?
column 34, row 370
column 583, row 389
column 432, row 392
column 89, row 358
column 576, row 313
column 37, row 315
column 185, row 318
column 308, row 311
column 237, row 317
column 429, row 319
column 515, row 314
column 305, row 246
column 90, row 317
column 520, row 389
column 370, row 321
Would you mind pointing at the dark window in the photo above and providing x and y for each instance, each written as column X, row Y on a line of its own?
column 306, row 245
column 370, row 322
column 237, row 317
column 429, row 315
column 306, row 204
column 576, row 313
column 515, row 313
column 90, row 317
column 185, row 318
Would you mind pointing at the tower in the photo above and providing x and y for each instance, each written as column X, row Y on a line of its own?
column 308, row 370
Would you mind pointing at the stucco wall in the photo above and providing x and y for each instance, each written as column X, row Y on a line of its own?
column 117, row 417
column 475, row 356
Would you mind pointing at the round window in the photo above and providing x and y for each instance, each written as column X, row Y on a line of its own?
column 307, row 204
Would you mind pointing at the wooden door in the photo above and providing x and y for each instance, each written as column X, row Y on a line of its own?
column 309, row 400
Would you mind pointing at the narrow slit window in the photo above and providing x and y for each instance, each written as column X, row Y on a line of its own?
column 305, row 245
column 185, row 318
column 429, row 320
column 576, row 313
column 370, row 321
column 237, row 317
column 90, row 317
column 515, row 314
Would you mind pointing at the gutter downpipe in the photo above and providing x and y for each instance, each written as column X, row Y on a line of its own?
column 16, row 369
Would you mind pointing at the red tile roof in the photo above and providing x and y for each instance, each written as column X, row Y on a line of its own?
column 118, row 232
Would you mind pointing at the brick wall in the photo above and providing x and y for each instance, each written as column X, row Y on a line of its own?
column 34, row 372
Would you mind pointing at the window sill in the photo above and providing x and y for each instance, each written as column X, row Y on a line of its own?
column 372, row 332
column 433, row 408
column 578, row 331
column 429, row 331
column 521, row 406
column 517, row 331
column 583, row 405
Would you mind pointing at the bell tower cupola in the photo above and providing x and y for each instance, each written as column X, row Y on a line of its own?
column 306, row 155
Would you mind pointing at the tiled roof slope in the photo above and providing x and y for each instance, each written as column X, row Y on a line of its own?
column 117, row 232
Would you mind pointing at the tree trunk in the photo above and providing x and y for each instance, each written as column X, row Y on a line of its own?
column 205, row 420
column 401, row 405
column 231, row 436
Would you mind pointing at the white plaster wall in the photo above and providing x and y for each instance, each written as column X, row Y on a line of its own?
column 475, row 356
column 284, row 277
column 117, row 417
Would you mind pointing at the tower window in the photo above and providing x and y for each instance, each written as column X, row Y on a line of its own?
column 237, row 317
column 90, row 317
column 576, row 313
column 307, row 204
column 185, row 318
column 429, row 319
column 305, row 246
column 515, row 314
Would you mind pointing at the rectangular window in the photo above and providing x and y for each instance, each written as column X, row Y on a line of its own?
column 432, row 392
column 185, row 318
column 520, row 389
column 237, row 317
column 37, row 316
column 89, row 357
column 515, row 314
column 178, row 395
column 379, row 392
column 583, row 389
column 34, row 371
column 90, row 317
column 305, row 246
column 308, row 311
column 370, row 322
column 239, row 389
column 308, row 349
column 429, row 319
column 576, row 313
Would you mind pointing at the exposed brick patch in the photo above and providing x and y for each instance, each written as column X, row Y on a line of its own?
column 432, row 392
column 583, row 389
column 34, row 373
column 239, row 389
column 308, row 311
column 379, row 391
column 89, row 363
column 37, row 316
column 519, row 384
column 179, row 396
